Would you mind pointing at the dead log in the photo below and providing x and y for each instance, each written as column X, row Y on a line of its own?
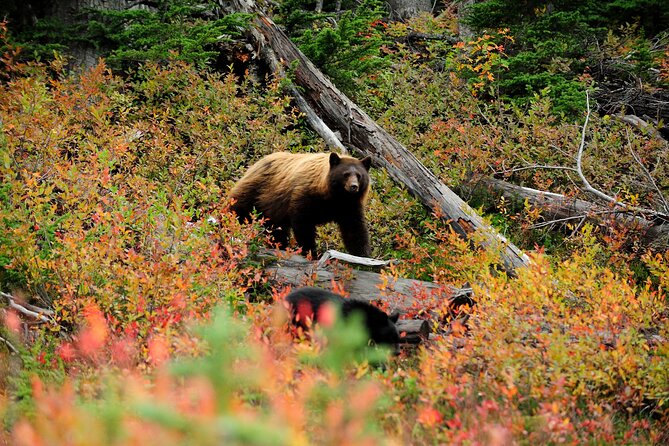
column 360, row 131
column 413, row 331
column 399, row 293
column 557, row 208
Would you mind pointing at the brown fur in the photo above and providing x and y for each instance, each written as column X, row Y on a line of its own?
column 301, row 191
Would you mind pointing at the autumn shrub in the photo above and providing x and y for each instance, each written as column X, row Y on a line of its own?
column 565, row 353
column 430, row 99
column 240, row 390
column 114, row 194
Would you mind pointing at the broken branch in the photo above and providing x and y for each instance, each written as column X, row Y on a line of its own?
column 23, row 310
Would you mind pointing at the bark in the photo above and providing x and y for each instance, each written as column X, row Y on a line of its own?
column 364, row 285
column 360, row 131
column 464, row 31
column 413, row 331
column 559, row 208
column 406, row 9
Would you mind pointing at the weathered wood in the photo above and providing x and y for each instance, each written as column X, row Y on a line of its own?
column 413, row 331
column 561, row 209
column 350, row 258
column 364, row 285
column 358, row 129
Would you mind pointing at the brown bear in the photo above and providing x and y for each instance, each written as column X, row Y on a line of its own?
column 301, row 191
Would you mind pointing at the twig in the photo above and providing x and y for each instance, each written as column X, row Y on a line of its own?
column 518, row 169
column 559, row 220
column 23, row 310
column 650, row 178
column 573, row 217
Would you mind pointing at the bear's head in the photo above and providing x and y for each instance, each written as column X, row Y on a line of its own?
column 380, row 326
column 348, row 175
column 385, row 332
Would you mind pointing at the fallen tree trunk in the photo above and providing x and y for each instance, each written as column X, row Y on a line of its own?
column 413, row 331
column 399, row 293
column 359, row 130
column 364, row 285
column 557, row 208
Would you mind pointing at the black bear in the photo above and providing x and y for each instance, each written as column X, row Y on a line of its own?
column 301, row 191
column 305, row 304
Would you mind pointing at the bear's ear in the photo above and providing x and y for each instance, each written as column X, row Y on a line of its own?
column 334, row 159
column 394, row 317
column 367, row 162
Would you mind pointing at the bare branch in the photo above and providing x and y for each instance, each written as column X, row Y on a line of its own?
column 39, row 309
column 653, row 227
column 23, row 310
column 535, row 166
column 9, row 345
column 573, row 217
column 579, row 161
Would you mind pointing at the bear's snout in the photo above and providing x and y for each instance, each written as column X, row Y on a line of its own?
column 352, row 185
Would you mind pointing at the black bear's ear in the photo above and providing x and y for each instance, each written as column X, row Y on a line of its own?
column 334, row 159
column 394, row 317
column 367, row 162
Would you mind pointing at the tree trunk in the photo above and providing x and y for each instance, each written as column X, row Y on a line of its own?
column 399, row 293
column 406, row 9
column 464, row 31
column 561, row 209
column 364, row 285
column 359, row 130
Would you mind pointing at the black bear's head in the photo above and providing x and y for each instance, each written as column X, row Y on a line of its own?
column 348, row 175
column 381, row 326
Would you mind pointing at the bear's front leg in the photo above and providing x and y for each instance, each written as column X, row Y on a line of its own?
column 279, row 234
column 305, row 235
column 355, row 235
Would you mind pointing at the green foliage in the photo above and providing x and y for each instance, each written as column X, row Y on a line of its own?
column 555, row 43
column 187, row 30
column 175, row 31
column 345, row 48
